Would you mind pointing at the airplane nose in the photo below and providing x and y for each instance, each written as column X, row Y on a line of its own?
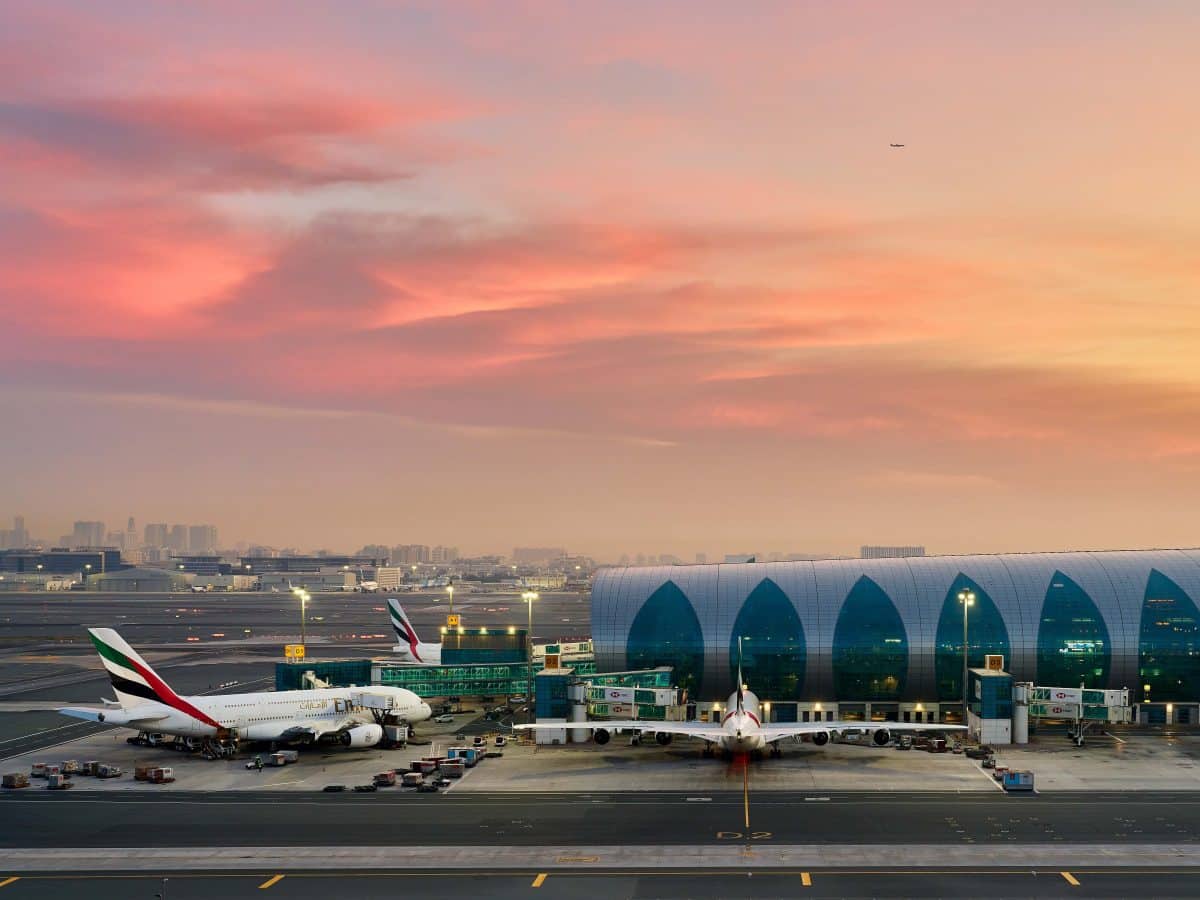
column 428, row 711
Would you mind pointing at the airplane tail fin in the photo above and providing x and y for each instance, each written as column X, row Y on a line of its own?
column 740, row 683
column 405, row 633
column 133, row 680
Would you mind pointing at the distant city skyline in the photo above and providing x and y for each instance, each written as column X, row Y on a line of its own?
column 614, row 276
column 426, row 551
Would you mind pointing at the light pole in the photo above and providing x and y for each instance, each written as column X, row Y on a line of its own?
column 304, row 598
column 450, row 591
column 967, row 599
column 529, row 597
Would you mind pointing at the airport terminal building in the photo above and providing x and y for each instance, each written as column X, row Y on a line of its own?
column 888, row 633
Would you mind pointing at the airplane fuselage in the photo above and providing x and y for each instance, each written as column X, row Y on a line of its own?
column 264, row 716
column 742, row 727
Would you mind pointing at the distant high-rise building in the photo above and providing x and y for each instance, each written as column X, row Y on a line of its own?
column 17, row 538
column 202, row 538
column 155, row 535
column 131, row 536
column 880, row 551
column 701, row 558
column 177, row 539
column 410, row 554
column 88, row 534
column 440, row 555
column 537, row 556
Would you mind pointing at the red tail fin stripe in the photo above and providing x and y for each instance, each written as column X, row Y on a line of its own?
column 168, row 696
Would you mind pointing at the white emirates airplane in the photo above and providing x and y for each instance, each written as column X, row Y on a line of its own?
column 408, row 645
column 331, row 715
column 742, row 729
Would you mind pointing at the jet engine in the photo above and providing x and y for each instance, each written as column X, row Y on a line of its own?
column 881, row 737
column 663, row 737
column 363, row 736
column 601, row 736
column 820, row 738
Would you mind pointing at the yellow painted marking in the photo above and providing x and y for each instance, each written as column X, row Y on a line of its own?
column 578, row 859
column 746, row 789
column 537, row 882
column 7, row 881
column 1071, row 879
column 270, row 881
column 806, row 879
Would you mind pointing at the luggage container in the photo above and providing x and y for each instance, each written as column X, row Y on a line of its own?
column 424, row 766
column 104, row 770
column 161, row 775
column 386, row 779
column 141, row 773
column 453, row 768
column 71, row 767
column 277, row 759
column 90, row 767
column 289, row 756
column 16, row 780
column 412, row 779
column 56, row 781
column 52, row 769
column 1018, row 781
column 37, row 770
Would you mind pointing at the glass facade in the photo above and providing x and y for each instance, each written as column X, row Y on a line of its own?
column 498, row 679
column 985, row 634
column 887, row 629
column 1169, row 649
column 773, row 649
column 870, row 646
column 666, row 632
column 1073, row 644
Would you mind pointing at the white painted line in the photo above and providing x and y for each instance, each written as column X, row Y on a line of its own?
column 815, row 799
column 992, row 781
column 699, row 800
column 34, row 734
column 1115, row 738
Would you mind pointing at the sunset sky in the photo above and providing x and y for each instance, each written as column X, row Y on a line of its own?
column 624, row 277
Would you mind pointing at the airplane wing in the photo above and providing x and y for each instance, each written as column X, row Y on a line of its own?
column 298, row 730
column 112, row 716
column 698, row 730
column 796, row 729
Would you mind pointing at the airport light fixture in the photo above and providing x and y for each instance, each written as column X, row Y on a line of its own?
column 967, row 599
column 529, row 597
column 304, row 596
column 450, row 591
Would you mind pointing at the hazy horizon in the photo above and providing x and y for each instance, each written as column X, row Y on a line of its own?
column 607, row 276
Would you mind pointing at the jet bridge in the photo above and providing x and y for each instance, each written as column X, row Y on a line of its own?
column 1084, row 708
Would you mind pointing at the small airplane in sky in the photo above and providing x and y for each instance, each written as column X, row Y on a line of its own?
column 742, row 729
column 895, row 145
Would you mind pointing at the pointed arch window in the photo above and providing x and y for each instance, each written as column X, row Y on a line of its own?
column 774, row 652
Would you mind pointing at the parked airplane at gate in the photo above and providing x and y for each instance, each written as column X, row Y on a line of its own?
column 408, row 645
column 742, row 729
column 337, row 715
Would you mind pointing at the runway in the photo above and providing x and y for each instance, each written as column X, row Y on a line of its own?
column 392, row 818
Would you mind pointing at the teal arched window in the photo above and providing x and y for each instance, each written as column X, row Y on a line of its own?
column 1073, row 645
column 773, row 648
column 1169, row 650
column 986, row 634
column 870, row 646
column 666, row 632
